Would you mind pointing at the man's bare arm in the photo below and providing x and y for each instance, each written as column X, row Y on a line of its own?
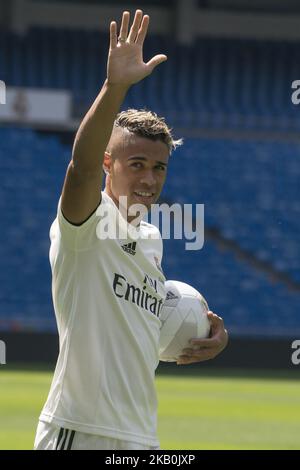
column 82, row 187
column 81, row 191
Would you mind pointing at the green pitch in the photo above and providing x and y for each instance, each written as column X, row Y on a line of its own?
column 213, row 410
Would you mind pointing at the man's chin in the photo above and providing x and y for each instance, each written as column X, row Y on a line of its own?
column 139, row 208
column 136, row 207
column 143, row 201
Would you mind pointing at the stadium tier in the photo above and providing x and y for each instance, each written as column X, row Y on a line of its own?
column 248, row 271
column 251, row 194
column 216, row 83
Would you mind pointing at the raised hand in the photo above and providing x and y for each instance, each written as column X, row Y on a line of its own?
column 125, row 60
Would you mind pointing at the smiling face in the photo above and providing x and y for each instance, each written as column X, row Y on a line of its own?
column 136, row 168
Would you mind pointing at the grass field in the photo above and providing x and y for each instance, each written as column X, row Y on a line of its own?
column 215, row 410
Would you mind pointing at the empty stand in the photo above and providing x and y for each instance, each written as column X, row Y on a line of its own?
column 216, row 83
column 252, row 200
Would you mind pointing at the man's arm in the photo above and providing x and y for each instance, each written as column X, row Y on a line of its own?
column 81, row 192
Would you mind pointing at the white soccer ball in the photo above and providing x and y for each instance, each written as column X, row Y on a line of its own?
column 183, row 316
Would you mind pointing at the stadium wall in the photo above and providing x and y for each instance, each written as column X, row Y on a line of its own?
column 246, row 353
column 183, row 19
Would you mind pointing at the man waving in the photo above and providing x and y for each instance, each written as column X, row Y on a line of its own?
column 108, row 291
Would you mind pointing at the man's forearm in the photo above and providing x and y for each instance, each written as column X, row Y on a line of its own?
column 95, row 130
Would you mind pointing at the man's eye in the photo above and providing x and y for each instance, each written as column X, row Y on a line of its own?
column 137, row 164
column 160, row 167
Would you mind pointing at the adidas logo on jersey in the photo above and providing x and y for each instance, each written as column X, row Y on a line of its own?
column 130, row 248
column 170, row 295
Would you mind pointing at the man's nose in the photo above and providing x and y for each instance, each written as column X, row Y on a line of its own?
column 148, row 178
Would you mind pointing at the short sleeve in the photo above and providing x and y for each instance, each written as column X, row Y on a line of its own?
column 78, row 237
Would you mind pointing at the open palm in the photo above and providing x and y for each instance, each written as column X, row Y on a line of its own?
column 125, row 60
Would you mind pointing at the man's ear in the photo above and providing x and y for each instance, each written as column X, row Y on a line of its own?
column 106, row 163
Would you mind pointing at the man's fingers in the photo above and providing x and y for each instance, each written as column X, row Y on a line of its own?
column 124, row 26
column 191, row 360
column 142, row 31
column 135, row 26
column 214, row 318
column 218, row 343
column 208, row 343
column 156, row 60
column 113, row 35
column 207, row 348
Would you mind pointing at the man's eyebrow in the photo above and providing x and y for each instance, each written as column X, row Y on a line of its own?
column 145, row 159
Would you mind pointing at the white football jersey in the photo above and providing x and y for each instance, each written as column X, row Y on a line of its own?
column 107, row 296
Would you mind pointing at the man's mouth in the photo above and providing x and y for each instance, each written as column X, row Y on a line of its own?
column 144, row 194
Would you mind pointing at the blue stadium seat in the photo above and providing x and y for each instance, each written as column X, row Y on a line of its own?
column 238, row 84
column 250, row 189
